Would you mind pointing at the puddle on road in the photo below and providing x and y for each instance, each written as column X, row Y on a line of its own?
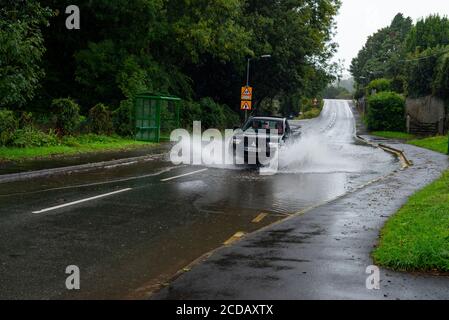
column 311, row 170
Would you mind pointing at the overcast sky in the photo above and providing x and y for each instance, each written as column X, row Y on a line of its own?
column 360, row 18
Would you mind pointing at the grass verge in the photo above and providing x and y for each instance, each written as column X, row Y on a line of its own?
column 70, row 146
column 416, row 238
column 393, row 135
column 438, row 143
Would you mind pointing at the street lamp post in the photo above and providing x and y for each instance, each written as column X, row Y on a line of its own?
column 248, row 65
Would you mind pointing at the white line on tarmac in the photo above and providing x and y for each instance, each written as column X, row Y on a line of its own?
column 183, row 175
column 83, row 200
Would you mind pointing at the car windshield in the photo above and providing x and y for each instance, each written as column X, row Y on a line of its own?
column 257, row 124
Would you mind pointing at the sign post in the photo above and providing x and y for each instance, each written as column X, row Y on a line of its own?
column 246, row 100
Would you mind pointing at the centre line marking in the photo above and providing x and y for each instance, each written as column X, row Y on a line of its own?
column 183, row 175
column 260, row 217
column 83, row 200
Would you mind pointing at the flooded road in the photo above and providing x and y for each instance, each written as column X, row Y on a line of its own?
column 142, row 223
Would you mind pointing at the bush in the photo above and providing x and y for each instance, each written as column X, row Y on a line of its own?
column 8, row 125
column 122, row 119
column 212, row 115
column 232, row 118
column 100, row 120
column 306, row 105
column 386, row 112
column 67, row 114
column 190, row 111
column 32, row 137
column 399, row 84
column 379, row 85
column 311, row 114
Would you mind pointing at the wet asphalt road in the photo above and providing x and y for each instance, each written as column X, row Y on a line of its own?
column 128, row 243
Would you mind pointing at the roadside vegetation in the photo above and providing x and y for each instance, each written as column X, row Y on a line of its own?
column 70, row 146
column 58, row 84
column 310, row 110
column 393, row 135
column 417, row 237
column 402, row 60
column 438, row 143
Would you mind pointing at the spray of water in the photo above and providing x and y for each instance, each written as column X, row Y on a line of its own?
column 312, row 153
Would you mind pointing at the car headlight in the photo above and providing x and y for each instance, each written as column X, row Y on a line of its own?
column 238, row 141
column 273, row 144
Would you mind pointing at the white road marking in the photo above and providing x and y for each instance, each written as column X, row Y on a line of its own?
column 83, row 200
column 183, row 175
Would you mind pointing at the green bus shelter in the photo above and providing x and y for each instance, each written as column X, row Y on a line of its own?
column 155, row 117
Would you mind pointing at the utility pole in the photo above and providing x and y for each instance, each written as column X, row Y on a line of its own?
column 248, row 66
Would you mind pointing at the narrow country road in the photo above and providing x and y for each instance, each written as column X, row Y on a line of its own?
column 130, row 228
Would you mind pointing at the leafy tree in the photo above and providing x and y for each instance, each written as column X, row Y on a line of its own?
column 21, row 50
column 428, row 33
column 383, row 54
column 421, row 71
column 441, row 80
column 298, row 35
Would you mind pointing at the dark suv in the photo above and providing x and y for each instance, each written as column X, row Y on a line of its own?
column 273, row 132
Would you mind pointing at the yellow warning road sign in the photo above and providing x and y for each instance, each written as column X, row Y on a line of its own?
column 247, row 93
column 246, row 105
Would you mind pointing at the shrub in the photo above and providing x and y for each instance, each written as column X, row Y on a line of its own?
column 70, row 141
column 312, row 113
column 100, row 120
column 67, row 114
column 378, row 85
column 190, row 111
column 32, row 137
column 386, row 112
column 399, row 84
column 122, row 119
column 8, row 125
column 212, row 115
column 232, row 118
column 306, row 105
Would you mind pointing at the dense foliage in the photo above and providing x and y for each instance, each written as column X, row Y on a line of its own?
column 67, row 115
column 383, row 54
column 379, row 85
column 409, row 59
column 386, row 112
column 196, row 50
column 21, row 50
column 413, row 57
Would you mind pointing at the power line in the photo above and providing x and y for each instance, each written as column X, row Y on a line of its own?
column 426, row 57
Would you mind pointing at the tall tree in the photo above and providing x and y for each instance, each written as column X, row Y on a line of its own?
column 21, row 50
column 383, row 54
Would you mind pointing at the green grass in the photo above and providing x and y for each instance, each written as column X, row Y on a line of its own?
column 70, row 146
column 393, row 135
column 438, row 143
column 417, row 237
column 312, row 113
